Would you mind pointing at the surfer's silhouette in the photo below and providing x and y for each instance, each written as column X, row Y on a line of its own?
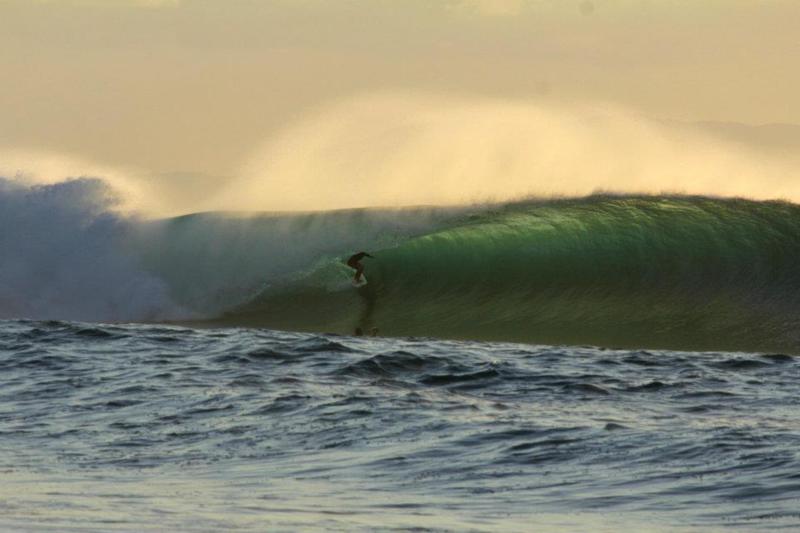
column 355, row 262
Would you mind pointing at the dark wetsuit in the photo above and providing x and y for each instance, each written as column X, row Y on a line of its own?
column 355, row 262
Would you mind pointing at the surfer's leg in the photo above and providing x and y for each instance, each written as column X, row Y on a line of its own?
column 359, row 270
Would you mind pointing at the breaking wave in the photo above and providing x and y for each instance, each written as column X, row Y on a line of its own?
column 678, row 272
column 65, row 253
column 629, row 271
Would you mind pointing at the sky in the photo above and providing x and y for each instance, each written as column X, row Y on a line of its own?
column 271, row 104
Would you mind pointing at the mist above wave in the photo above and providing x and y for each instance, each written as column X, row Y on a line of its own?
column 405, row 148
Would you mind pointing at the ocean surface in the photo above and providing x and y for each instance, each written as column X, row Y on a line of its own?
column 155, row 427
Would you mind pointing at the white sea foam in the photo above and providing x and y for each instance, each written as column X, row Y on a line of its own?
column 65, row 254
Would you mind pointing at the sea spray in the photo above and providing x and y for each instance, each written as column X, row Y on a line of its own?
column 65, row 253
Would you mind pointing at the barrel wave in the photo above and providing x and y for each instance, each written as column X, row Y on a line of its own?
column 680, row 272
column 665, row 272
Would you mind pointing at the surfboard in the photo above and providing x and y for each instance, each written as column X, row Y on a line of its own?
column 361, row 282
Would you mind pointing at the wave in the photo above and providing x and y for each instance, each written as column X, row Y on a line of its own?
column 673, row 271
column 678, row 272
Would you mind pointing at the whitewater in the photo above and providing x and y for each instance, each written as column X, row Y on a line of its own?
column 611, row 362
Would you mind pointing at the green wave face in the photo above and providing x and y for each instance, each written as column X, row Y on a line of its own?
column 671, row 272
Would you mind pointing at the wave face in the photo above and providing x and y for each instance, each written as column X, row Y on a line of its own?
column 673, row 272
column 215, row 261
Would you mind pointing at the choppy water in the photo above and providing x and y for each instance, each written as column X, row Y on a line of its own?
column 132, row 427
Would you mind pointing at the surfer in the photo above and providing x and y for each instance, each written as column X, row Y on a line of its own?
column 355, row 262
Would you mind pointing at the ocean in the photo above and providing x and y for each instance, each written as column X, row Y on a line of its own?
column 611, row 363
column 152, row 428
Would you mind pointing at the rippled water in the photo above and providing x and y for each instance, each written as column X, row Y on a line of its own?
column 156, row 427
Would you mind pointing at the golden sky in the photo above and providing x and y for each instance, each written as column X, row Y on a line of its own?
column 189, row 92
